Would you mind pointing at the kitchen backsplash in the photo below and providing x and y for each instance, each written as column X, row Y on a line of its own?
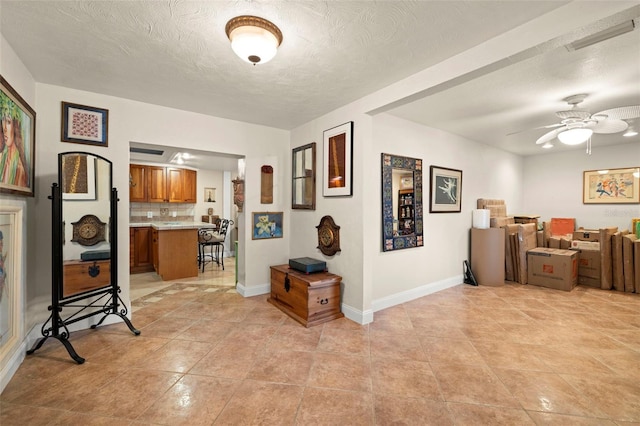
column 139, row 212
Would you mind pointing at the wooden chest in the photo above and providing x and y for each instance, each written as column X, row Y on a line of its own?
column 81, row 276
column 310, row 299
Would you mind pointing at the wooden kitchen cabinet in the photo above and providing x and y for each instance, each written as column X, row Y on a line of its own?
column 142, row 260
column 154, row 249
column 137, row 183
column 164, row 184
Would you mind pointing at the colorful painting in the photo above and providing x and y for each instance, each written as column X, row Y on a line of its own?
column 17, row 142
column 612, row 186
column 10, row 267
column 267, row 225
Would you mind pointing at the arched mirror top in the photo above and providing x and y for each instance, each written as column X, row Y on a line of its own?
column 402, row 211
column 85, row 181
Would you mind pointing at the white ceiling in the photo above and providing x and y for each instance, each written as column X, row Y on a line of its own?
column 175, row 53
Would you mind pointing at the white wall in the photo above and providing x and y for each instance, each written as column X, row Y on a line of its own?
column 553, row 185
column 129, row 120
column 486, row 173
column 17, row 75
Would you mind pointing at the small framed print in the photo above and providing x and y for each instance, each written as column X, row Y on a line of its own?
column 613, row 186
column 267, row 225
column 84, row 124
column 338, row 161
column 209, row 195
column 445, row 192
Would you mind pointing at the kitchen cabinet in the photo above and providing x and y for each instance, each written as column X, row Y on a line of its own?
column 141, row 250
column 137, row 183
column 155, row 184
column 154, row 249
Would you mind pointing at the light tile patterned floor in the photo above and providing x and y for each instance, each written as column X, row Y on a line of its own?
column 511, row 355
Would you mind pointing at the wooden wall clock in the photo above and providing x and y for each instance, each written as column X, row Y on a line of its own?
column 328, row 236
column 88, row 231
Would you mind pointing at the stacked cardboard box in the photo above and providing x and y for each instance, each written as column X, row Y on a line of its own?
column 498, row 212
column 587, row 243
column 553, row 268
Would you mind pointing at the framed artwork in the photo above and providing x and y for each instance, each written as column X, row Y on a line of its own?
column 267, row 225
column 85, row 124
column 78, row 177
column 17, row 142
column 209, row 195
column 338, row 161
column 613, row 186
column 10, row 270
column 445, row 191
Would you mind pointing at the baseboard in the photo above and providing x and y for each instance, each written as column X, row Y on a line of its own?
column 415, row 293
column 14, row 362
column 255, row 290
column 357, row 315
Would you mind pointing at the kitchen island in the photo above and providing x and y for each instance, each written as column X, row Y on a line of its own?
column 175, row 248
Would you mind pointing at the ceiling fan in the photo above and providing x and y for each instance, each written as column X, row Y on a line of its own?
column 577, row 125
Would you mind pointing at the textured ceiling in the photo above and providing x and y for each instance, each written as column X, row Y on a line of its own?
column 176, row 54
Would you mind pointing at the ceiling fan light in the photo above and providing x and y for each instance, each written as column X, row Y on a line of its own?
column 547, row 145
column 629, row 133
column 253, row 39
column 575, row 136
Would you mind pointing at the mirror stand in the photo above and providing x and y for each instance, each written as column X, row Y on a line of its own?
column 88, row 286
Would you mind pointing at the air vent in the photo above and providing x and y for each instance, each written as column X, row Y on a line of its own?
column 146, row 151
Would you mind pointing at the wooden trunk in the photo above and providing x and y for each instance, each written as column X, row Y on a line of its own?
column 81, row 276
column 310, row 299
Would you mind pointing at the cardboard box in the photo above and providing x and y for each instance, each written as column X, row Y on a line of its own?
column 561, row 226
column 589, row 282
column 499, row 222
column 526, row 219
column 585, row 245
column 589, row 264
column 553, row 268
column 586, row 235
column 487, row 256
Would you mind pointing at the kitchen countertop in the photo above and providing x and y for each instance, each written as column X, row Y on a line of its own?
column 169, row 225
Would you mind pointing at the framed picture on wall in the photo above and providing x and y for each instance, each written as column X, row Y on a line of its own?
column 11, row 309
column 85, row 124
column 445, row 192
column 17, row 142
column 338, row 162
column 612, row 186
column 267, row 225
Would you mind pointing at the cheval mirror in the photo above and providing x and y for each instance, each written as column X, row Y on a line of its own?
column 84, row 247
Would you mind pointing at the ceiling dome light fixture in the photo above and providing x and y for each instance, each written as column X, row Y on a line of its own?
column 253, row 39
column 575, row 136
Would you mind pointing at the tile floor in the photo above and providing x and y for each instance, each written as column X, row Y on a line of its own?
column 511, row 355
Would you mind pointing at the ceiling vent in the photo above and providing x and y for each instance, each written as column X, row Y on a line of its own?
column 603, row 35
column 146, row 151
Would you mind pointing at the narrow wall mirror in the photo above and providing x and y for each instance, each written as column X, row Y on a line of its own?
column 402, row 213
column 303, row 190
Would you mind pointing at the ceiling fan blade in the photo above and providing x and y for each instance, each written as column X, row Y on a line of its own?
column 608, row 126
column 622, row 113
column 549, row 126
column 549, row 136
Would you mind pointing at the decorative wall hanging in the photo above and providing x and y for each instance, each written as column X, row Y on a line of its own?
column 338, row 162
column 402, row 216
column 88, row 231
column 613, row 186
column 85, row 124
column 17, row 142
column 267, row 225
column 238, row 193
column 445, row 192
column 303, row 177
column 78, row 177
column 328, row 236
column 266, row 184
column 209, row 195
